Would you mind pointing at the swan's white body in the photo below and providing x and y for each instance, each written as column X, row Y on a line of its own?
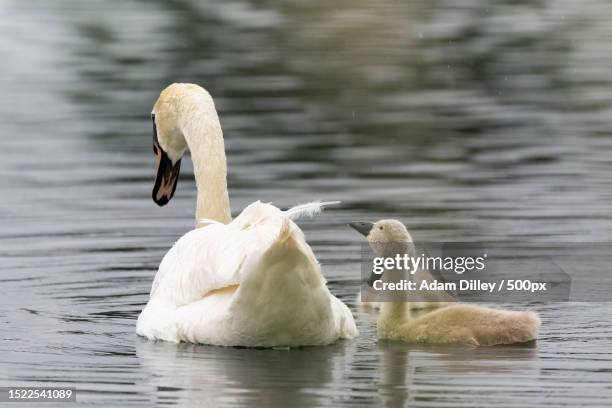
column 253, row 281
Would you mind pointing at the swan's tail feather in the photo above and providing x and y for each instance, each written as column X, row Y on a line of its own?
column 285, row 231
column 308, row 210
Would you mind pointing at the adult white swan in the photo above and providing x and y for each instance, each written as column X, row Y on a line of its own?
column 253, row 281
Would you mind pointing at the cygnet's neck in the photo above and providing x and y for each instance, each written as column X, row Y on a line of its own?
column 199, row 123
column 393, row 313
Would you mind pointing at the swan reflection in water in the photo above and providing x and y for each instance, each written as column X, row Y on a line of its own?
column 186, row 374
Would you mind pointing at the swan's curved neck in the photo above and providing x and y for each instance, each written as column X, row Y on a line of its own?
column 200, row 126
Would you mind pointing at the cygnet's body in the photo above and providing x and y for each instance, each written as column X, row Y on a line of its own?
column 457, row 323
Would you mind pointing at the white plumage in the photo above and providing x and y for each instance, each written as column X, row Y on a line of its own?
column 308, row 210
column 252, row 281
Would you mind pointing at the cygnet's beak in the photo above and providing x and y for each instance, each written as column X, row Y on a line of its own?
column 167, row 173
column 363, row 228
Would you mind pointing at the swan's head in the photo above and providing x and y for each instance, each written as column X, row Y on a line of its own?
column 169, row 142
column 383, row 231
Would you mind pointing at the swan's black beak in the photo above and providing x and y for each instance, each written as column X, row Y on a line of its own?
column 167, row 173
column 363, row 228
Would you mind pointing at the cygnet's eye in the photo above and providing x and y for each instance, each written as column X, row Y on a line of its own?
column 381, row 228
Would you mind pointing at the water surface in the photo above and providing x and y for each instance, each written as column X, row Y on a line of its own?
column 467, row 120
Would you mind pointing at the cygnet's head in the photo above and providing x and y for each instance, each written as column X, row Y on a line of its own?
column 383, row 231
column 386, row 238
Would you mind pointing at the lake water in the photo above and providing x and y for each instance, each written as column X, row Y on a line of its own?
column 467, row 120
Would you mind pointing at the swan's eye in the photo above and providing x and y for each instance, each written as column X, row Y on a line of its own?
column 381, row 228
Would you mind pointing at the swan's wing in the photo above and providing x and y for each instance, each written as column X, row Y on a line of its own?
column 280, row 297
column 213, row 257
column 206, row 259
